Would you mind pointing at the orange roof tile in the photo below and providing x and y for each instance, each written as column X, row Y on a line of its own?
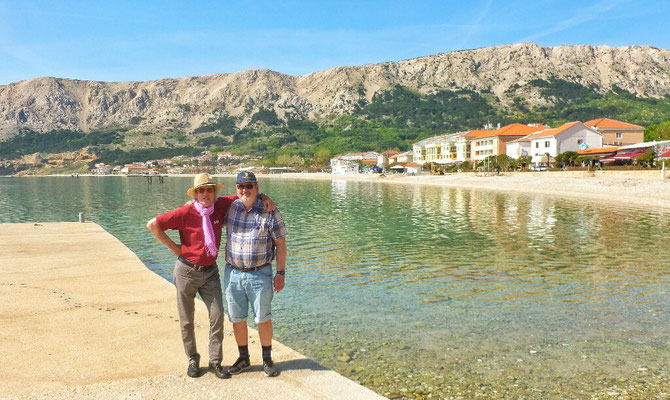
column 413, row 164
column 478, row 133
column 607, row 123
column 555, row 131
column 598, row 150
column 515, row 129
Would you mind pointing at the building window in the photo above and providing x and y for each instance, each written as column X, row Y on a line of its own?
column 537, row 145
column 546, row 143
column 619, row 135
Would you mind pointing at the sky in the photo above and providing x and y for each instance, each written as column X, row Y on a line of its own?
column 142, row 40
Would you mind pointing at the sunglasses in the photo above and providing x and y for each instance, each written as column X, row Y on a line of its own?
column 205, row 190
column 245, row 186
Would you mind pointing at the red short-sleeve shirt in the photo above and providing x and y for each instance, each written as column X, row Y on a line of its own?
column 188, row 222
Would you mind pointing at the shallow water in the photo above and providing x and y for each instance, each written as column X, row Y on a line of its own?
column 433, row 292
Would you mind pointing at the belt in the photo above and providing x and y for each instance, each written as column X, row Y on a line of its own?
column 194, row 266
column 244, row 269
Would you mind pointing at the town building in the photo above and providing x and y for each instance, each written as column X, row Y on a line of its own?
column 413, row 168
column 572, row 136
column 401, row 158
column 135, row 168
column 617, row 133
column 626, row 154
column 102, row 169
column 384, row 159
column 444, row 149
column 493, row 142
column 349, row 163
column 598, row 153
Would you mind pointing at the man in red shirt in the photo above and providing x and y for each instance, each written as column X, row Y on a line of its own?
column 199, row 224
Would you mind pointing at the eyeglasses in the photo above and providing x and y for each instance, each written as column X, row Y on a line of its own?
column 208, row 189
column 245, row 186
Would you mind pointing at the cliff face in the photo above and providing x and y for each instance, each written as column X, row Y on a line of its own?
column 46, row 104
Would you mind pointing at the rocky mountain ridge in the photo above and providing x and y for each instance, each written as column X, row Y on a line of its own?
column 183, row 105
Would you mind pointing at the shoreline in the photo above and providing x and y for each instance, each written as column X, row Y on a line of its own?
column 622, row 188
column 619, row 188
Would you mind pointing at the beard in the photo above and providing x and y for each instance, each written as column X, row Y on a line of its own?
column 247, row 197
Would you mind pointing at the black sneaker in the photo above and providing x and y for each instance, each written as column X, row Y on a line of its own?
column 219, row 371
column 193, row 368
column 270, row 369
column 241, row 365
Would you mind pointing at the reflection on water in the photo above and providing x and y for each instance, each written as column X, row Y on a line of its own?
column 418, row 291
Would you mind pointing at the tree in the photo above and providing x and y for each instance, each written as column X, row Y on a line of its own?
column 322, row 157
column 285, row 160
column 267, row 115
column 504, row 162
column 524, row 161
column 567, row 158
column 647, row 158
column 582, row 159
column 657, row 132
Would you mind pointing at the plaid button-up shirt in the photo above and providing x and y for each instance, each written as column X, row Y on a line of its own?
column 250, row 235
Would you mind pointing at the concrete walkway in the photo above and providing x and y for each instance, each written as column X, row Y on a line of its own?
column 82, row 317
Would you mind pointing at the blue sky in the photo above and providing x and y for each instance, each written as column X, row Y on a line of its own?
column 146, row 40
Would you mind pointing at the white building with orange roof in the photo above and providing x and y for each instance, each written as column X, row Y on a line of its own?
column 571, row 136
column 617, row 133
column 519, row 147
column 413, row 168
column 384, row 158
column 350, row 163
column 493, row 142
column 402, row 158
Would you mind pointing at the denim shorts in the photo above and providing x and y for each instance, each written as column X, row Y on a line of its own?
column 253, row 287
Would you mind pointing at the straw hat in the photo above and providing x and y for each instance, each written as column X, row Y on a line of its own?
column 201, row 180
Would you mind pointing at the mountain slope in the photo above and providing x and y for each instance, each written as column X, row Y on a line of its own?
column 186, row 104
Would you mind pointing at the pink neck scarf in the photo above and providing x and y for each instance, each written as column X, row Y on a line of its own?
column 210, row 246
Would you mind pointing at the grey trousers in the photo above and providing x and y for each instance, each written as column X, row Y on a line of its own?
column 189, row 282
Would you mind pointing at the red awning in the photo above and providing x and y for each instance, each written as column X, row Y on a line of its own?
column 607, row 160
column 628, row 156
column 666, row 154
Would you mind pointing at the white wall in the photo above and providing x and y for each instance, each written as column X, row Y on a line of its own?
column 568, row 140
column 517, row 149
column 542, row 149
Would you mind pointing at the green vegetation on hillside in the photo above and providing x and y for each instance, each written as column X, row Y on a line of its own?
column 444, row 110
column 574, row 102
column 391, row 120
column 29, row 142
column 657, row 132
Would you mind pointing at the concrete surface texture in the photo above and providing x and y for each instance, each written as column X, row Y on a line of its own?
column 82, row 317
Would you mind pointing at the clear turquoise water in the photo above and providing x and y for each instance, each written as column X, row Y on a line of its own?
column 418, row 291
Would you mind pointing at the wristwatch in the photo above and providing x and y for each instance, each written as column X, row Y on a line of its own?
column 281, row 272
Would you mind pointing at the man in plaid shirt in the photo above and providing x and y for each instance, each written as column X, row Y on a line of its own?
column 254, row 237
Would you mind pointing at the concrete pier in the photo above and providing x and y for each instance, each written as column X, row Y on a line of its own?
column 82, row 317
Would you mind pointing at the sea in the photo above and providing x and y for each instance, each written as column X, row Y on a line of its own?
column 428, row 292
